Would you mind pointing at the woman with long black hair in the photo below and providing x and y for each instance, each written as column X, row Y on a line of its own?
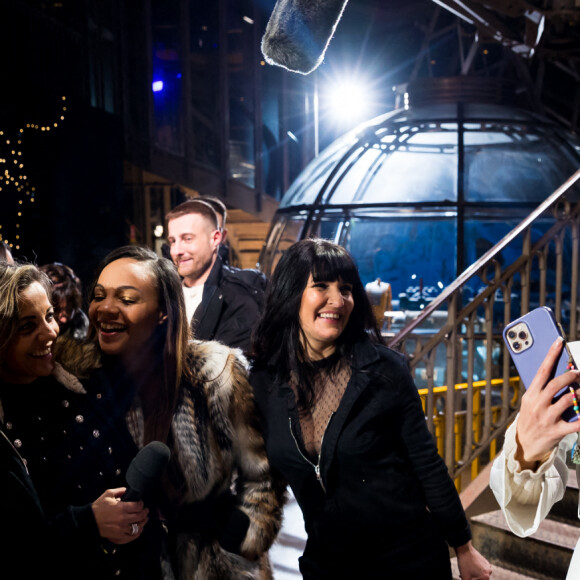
column 345, row 429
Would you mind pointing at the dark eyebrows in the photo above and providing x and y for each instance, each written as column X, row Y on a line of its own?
column 119, row 289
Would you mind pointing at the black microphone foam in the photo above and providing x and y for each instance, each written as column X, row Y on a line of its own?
column 299, row 31
column 145, row 471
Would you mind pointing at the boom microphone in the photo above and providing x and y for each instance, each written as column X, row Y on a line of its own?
column 299, row 31
column 145, row 471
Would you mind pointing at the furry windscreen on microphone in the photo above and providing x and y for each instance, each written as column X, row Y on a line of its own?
column 298, row 33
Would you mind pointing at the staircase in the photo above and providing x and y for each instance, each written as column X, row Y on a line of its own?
column 468, row 417
column 246, row 236
column 544, row 555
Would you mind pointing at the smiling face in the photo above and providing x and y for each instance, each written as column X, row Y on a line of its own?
column 124, row 309
column 193, row 242
column 325, row 309
column 29, row 354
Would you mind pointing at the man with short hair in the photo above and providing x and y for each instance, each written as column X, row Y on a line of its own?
column 222, row 302
column 221, row 211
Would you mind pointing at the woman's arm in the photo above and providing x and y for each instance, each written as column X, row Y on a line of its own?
column 530, row 474
column 428, row 466
column 525, row 496
column 262, row 495
column 440, row 492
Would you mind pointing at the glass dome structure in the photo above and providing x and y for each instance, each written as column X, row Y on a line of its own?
column 418, row 194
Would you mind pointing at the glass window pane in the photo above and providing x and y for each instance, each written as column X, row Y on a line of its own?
column 406, row 252
column 405, row 176
column 501, row 166
column 205, row 86
column 241, row 80
column 483, row 233
column 167, row 75
column 308, row 184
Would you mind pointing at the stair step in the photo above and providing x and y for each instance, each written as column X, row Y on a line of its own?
column 567, row 508
column 498, row 573
column 553, row 532
column 546, row 552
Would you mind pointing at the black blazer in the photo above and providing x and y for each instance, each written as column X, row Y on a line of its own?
column 230, row 305
column 380, row 488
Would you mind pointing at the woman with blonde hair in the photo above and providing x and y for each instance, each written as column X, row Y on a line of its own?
column 59, row 451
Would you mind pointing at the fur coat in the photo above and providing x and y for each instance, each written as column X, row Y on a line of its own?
column 223, row 512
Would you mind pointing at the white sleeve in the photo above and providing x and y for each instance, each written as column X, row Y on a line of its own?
column 525, row 496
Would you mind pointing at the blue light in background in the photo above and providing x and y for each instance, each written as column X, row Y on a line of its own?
column 157, row 86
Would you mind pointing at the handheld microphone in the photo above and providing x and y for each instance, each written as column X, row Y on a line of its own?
column 299, row 31
column 145, row 471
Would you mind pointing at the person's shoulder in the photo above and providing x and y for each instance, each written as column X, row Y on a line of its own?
column 251, row 279
column 211, row 358
column 375, row 352
column 78, row 357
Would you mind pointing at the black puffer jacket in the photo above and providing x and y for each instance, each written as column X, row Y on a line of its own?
column 230, row 305
column 384, row 498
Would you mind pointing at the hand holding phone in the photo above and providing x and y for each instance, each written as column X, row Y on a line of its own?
column 528, row 339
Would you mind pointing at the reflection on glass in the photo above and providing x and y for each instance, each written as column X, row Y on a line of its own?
column 417, row 195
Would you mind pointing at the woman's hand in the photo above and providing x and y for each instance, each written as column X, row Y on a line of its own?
column 540, row 427
column 118, row 521
column 472, row 565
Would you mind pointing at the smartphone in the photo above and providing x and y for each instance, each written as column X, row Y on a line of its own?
column 528, row 340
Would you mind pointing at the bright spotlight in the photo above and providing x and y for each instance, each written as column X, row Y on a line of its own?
column 157, row 86
column 348, row 101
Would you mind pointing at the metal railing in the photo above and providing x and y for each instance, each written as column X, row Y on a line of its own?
column 483, row 406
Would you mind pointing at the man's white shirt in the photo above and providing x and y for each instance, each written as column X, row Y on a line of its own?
column 193, row 297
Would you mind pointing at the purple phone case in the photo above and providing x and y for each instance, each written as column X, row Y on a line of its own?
column 543, row 331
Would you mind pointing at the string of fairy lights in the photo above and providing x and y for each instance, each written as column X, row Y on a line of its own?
column 13, row 178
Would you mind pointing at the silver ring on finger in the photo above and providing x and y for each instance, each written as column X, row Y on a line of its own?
column 134, row 529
